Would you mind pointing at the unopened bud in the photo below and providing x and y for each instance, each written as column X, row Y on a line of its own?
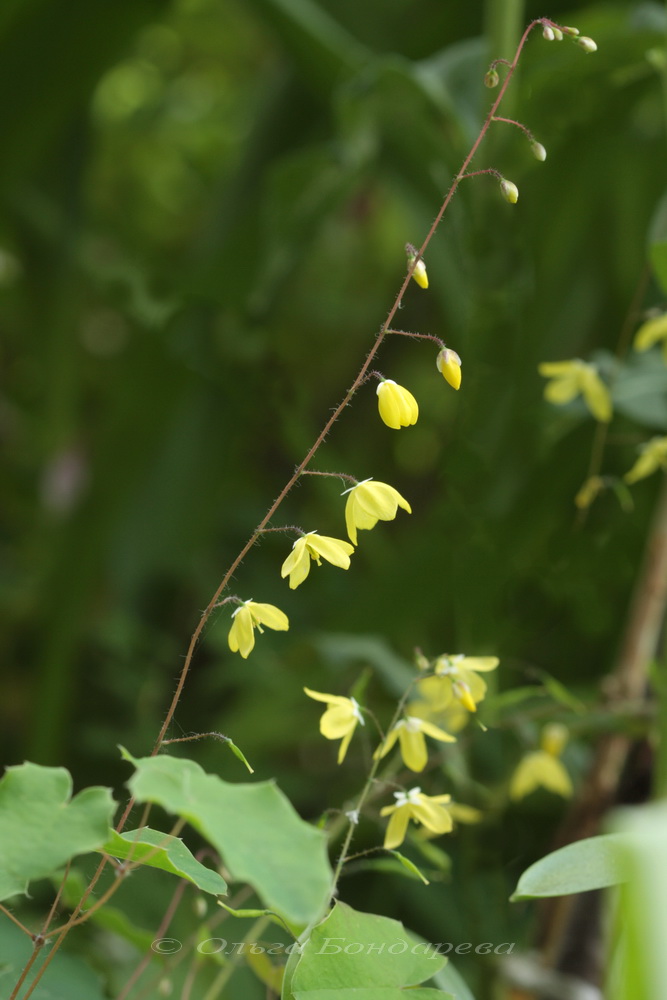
column 449, row 365
column 587, row 44
column 509, row 191
column 558, row 34
column 422, row 662
column 570, row 31
column 538, row 150
column 419, row 273
column 165, row 987
column 491, row 79
column 548, row 33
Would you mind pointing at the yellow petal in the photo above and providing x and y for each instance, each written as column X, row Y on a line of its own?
column 561, row 390
column 420, row 275
column 437, row 734
column 342, row 749
column 464, row 814
column 554, row 369
column 334, row 550
column 448, row 364
column 269, row 615
column 297, row 564
column 480, row 663
column 433, row 816
column 413, row 749
column 241, row 637
column 337, row 721
column 397, row 826
column 553, row 738
column 653, row 457
column 597, row 397
column 651, row 332
column 333, row 699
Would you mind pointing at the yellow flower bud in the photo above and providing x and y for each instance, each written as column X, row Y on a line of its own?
column 548, row 33
column 509, row 191
column 558, row 34
column 419, row 273
column 449, row 365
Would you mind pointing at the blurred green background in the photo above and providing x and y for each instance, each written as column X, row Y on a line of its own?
column 204, row 206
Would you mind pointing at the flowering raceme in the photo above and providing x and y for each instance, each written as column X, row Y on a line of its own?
column 429, row 810
column 410, row 733
column 315, row 547
column 448, row 364
column 250, row 616
column 398, row 407
column 577, row 378
column 542, row 768
column 339, row 720
column 369, row 502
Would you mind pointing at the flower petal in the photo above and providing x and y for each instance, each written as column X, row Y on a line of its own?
column 241, row 637
column 269, row 615
column 413, row 749
column 436, row 733
column 431, row 815
column 334, row 550
column 397, row 826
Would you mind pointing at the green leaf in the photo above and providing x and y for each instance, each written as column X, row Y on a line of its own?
column 411, row 867
column 362, row 956
column 42, row 827
column 594, row 863
column 253, row 827
column 159, row 850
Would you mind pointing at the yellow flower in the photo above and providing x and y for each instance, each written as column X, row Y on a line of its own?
column 650, row 332
column 410, row 734
column 398, row 407
column 653, row 456
column 577, row 378
column 339, row 720
column 414, row 805
column 428, row 705
column 369, row 502
column 459, row 680
column 542, row 768
column 448, row 364
column 419, row 273
column 317, row 547
column 249, row 616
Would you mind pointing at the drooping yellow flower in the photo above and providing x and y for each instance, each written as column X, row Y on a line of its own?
column 419, row 273
column 250, row 616
column 398, row 407
column 652, row 332
column 542, row 768
column 340, row 719
column 577, row 378
column 315, row 547
column 410, row 733
column 428, row 705
column 448, row 364
column 653, row 457
column 429, row 810
column 369, row 502
column 459, row 678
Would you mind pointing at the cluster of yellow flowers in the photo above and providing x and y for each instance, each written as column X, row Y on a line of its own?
column 570, row 379
column 367, row 502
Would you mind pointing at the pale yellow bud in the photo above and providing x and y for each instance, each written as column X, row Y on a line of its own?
column 558, row 34
column 587, row 44
column 509, row 191
column 548, row 33
column 539, row 152
column 570, row 31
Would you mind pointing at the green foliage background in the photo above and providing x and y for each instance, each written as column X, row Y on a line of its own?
column 204, row 206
